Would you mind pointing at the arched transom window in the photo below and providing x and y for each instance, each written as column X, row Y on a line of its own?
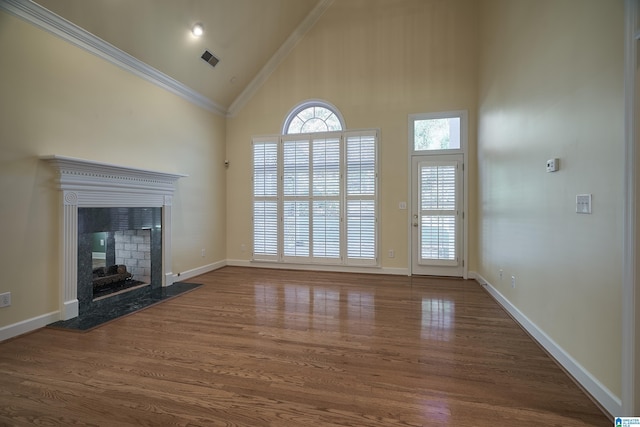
column 313, row 117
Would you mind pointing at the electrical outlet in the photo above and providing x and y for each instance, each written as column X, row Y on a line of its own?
column 500, row 273
column 202, row 253
column 513, row 281
column 392, row 253
column 5, row 299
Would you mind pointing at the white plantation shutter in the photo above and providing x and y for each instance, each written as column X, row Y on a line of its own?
column 326, row 198
column 265, row 199
column 361, row 230
column 295, row 161
column 295, row 214
column 438, row 211
column 438, row 243
column 326, row 229
column 315, row 198
column 296, row 228
column 361, row 193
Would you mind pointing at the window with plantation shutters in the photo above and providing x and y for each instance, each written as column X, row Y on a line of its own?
column 438, row 210
column 296, row 182
column 326, row 198
column 315, row 198
column 361, row 196
column 265, row 198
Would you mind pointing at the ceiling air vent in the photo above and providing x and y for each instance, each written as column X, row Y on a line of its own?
column 208, row 56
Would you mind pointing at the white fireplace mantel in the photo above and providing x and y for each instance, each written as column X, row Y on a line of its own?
column 87, row 183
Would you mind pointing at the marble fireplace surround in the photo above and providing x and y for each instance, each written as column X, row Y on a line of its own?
column 87, row 183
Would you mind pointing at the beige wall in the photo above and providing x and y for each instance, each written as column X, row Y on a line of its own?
column 551, row 85
column 59, row 99
column 377, row 62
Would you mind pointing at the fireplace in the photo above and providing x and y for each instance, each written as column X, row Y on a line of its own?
column 131, row 267
column 111, row 201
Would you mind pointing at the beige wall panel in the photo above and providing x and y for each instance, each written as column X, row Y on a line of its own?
column 551, row 85
column 377, row 62
column 59, row 99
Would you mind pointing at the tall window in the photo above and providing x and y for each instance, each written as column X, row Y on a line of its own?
column 315, row 192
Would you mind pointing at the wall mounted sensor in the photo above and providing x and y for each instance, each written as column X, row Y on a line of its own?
column 553, row 165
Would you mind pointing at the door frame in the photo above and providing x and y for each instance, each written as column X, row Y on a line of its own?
column 464, row 137
column 435, row 268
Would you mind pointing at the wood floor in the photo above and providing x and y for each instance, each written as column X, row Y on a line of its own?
column 258, row 347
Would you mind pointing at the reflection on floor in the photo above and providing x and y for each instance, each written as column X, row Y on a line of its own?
column 259, row 347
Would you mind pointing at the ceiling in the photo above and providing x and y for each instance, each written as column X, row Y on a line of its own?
column 243, row 34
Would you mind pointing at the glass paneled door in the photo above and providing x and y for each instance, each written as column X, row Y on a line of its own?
column 436, row 220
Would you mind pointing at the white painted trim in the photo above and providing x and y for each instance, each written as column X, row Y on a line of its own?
column 190, row 274
column 86, row 183
column 278, row 57
column 60, row 27
column 89, row 175
column 318, row 267
column 316, row 102
column 609, row 401
column 630, row 281
column 464, row 144
column 29, row 325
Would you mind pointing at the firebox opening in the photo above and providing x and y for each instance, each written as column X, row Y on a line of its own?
column 121, row 261
column 119, row 256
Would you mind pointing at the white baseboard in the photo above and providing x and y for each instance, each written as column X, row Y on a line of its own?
column 29, row 325
column 189, row 274
column 610, row 402
column 318, row 267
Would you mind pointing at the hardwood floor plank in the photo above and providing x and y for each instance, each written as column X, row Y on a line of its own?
column 258, row 347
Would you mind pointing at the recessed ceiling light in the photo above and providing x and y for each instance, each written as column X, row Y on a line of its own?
column 197, row 30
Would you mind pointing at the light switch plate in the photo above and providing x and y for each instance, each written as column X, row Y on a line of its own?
column 5, row 299
column 583, row 203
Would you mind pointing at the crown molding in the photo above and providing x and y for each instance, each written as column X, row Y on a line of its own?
column 278, row 57
column 60, row 27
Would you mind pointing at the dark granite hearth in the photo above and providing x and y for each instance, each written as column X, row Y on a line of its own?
column 106, row 313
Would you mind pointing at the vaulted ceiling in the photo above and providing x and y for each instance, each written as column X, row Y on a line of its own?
column 247, row 36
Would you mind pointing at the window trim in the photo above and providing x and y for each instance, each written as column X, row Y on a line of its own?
column 309, row 104
column 461, row 114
